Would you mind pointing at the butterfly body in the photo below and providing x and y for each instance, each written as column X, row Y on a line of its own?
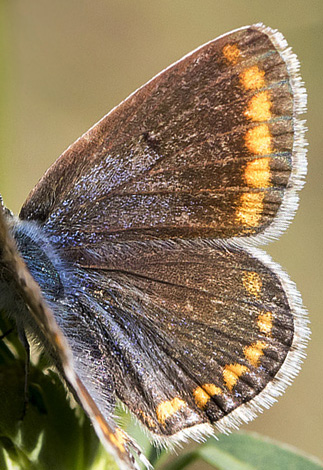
column 139, row 243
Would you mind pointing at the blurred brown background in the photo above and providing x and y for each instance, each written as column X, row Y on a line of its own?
column 64, row 64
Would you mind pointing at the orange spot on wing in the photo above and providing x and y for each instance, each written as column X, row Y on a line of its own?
column 259, row 107
column 231, row 374
column 250, row 209
column 212, row 389
column 119, row 438
column 147, row 419
column 57, row 340
column 254, row 352
column 252, row 283
column 203, row 394
column 103, row 425
column 258, row 140
column 167, row 408
column 252, row 78
column 232, row 53
column 265, row 322
column 257, row 173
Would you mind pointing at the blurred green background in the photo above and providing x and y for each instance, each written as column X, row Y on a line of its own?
column 64, row 64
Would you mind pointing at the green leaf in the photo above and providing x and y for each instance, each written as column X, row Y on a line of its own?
column 54, row 432
column 247, row 451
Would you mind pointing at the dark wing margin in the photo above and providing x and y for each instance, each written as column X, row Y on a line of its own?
column 212, row 147
column 115, row 440
column 205, row 334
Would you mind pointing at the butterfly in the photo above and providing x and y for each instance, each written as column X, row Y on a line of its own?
column 134, row 259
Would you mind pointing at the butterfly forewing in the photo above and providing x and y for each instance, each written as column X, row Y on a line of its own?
column 205, row 149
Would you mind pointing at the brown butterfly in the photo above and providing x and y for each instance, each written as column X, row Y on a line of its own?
column 133, row 259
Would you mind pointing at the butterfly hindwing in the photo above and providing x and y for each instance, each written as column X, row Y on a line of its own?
column 199, row 332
